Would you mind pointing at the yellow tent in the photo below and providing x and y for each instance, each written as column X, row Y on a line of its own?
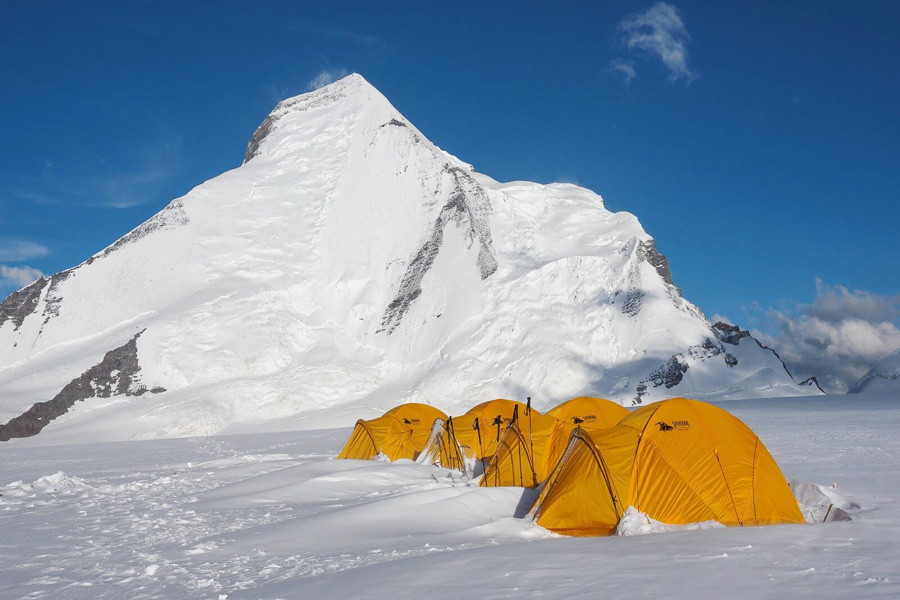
column 530, row 448
column 473, row 435
column 524, row 456
column 679, row 461
column 589, row 413
column 399, row 433
column 441, row 448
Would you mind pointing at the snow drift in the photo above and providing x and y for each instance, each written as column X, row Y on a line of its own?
column 348, row 265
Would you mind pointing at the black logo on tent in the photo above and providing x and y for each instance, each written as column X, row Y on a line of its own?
column 679, row 425
column 410, row 422
column 577, row 420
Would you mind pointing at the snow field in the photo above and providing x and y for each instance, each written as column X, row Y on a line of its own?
column 273, row 516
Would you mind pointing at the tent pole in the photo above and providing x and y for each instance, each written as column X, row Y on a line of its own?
column 531, row 441
column 480, row 445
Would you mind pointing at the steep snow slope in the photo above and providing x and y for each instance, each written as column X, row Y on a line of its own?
column 348, row 265
column 882, row 378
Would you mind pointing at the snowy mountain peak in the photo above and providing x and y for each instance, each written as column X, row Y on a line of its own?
column 882, row 378
column 353, row 91
column 350, row 265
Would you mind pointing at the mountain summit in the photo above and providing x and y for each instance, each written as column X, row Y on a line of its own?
column 347, row 265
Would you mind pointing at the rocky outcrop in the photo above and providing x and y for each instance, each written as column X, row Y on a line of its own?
column 22, row 303
column 115, row 375
column 468, row 209
column 812, row 382
column 730, row 334
column 670, row 373
column 646, row 250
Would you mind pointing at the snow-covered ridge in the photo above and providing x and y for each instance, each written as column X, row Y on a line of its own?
column 349, row 265
column 883, row 377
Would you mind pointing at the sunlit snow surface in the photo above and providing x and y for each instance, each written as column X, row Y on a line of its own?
column 274, row 516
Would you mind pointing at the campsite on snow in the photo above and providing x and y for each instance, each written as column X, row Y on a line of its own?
column 353, row 365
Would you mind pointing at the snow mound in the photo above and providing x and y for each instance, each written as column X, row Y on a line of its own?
column 820, row 504
column 58, row 482
column 634, row 522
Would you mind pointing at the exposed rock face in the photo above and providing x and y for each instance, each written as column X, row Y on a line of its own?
column 646, row 250
column 53, row 299
column 672, row 371
column 812, row 382
column 468, row 209
column 730, row 334
column 117, row 374
column 22, row 303
column 264, row 129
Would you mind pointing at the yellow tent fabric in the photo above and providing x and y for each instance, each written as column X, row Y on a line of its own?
column 589, row 413
column 530, row 448
column 588, row 491
column 679, row 461
column 491, row 419
column 399, row 433
column 441, row 448
column 525, row 455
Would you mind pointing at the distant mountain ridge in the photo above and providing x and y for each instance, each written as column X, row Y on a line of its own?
column 347, row 265
column 883, row 377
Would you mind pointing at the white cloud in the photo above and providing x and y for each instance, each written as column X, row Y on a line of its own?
column 623, row 67
column 838, row 337
column 324, row 77
column 658, row 33
column 18, row 277
column 16, row 250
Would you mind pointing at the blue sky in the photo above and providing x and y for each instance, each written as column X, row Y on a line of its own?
column 758, row 142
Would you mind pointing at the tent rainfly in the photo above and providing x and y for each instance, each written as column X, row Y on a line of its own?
column 471, row 436
column 679, row 461
column 399, row 433
column 533, row 445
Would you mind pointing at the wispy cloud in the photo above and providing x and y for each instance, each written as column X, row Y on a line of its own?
column 18, row 277
column 838, row 337
column 324, row 77
column 623, row 67
column 657, row 33
column 136, row 179
column 19, row 250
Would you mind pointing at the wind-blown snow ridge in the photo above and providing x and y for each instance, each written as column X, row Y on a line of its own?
column 348, row 265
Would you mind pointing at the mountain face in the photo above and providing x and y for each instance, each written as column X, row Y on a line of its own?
column 346, row 266
column 882, row 378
